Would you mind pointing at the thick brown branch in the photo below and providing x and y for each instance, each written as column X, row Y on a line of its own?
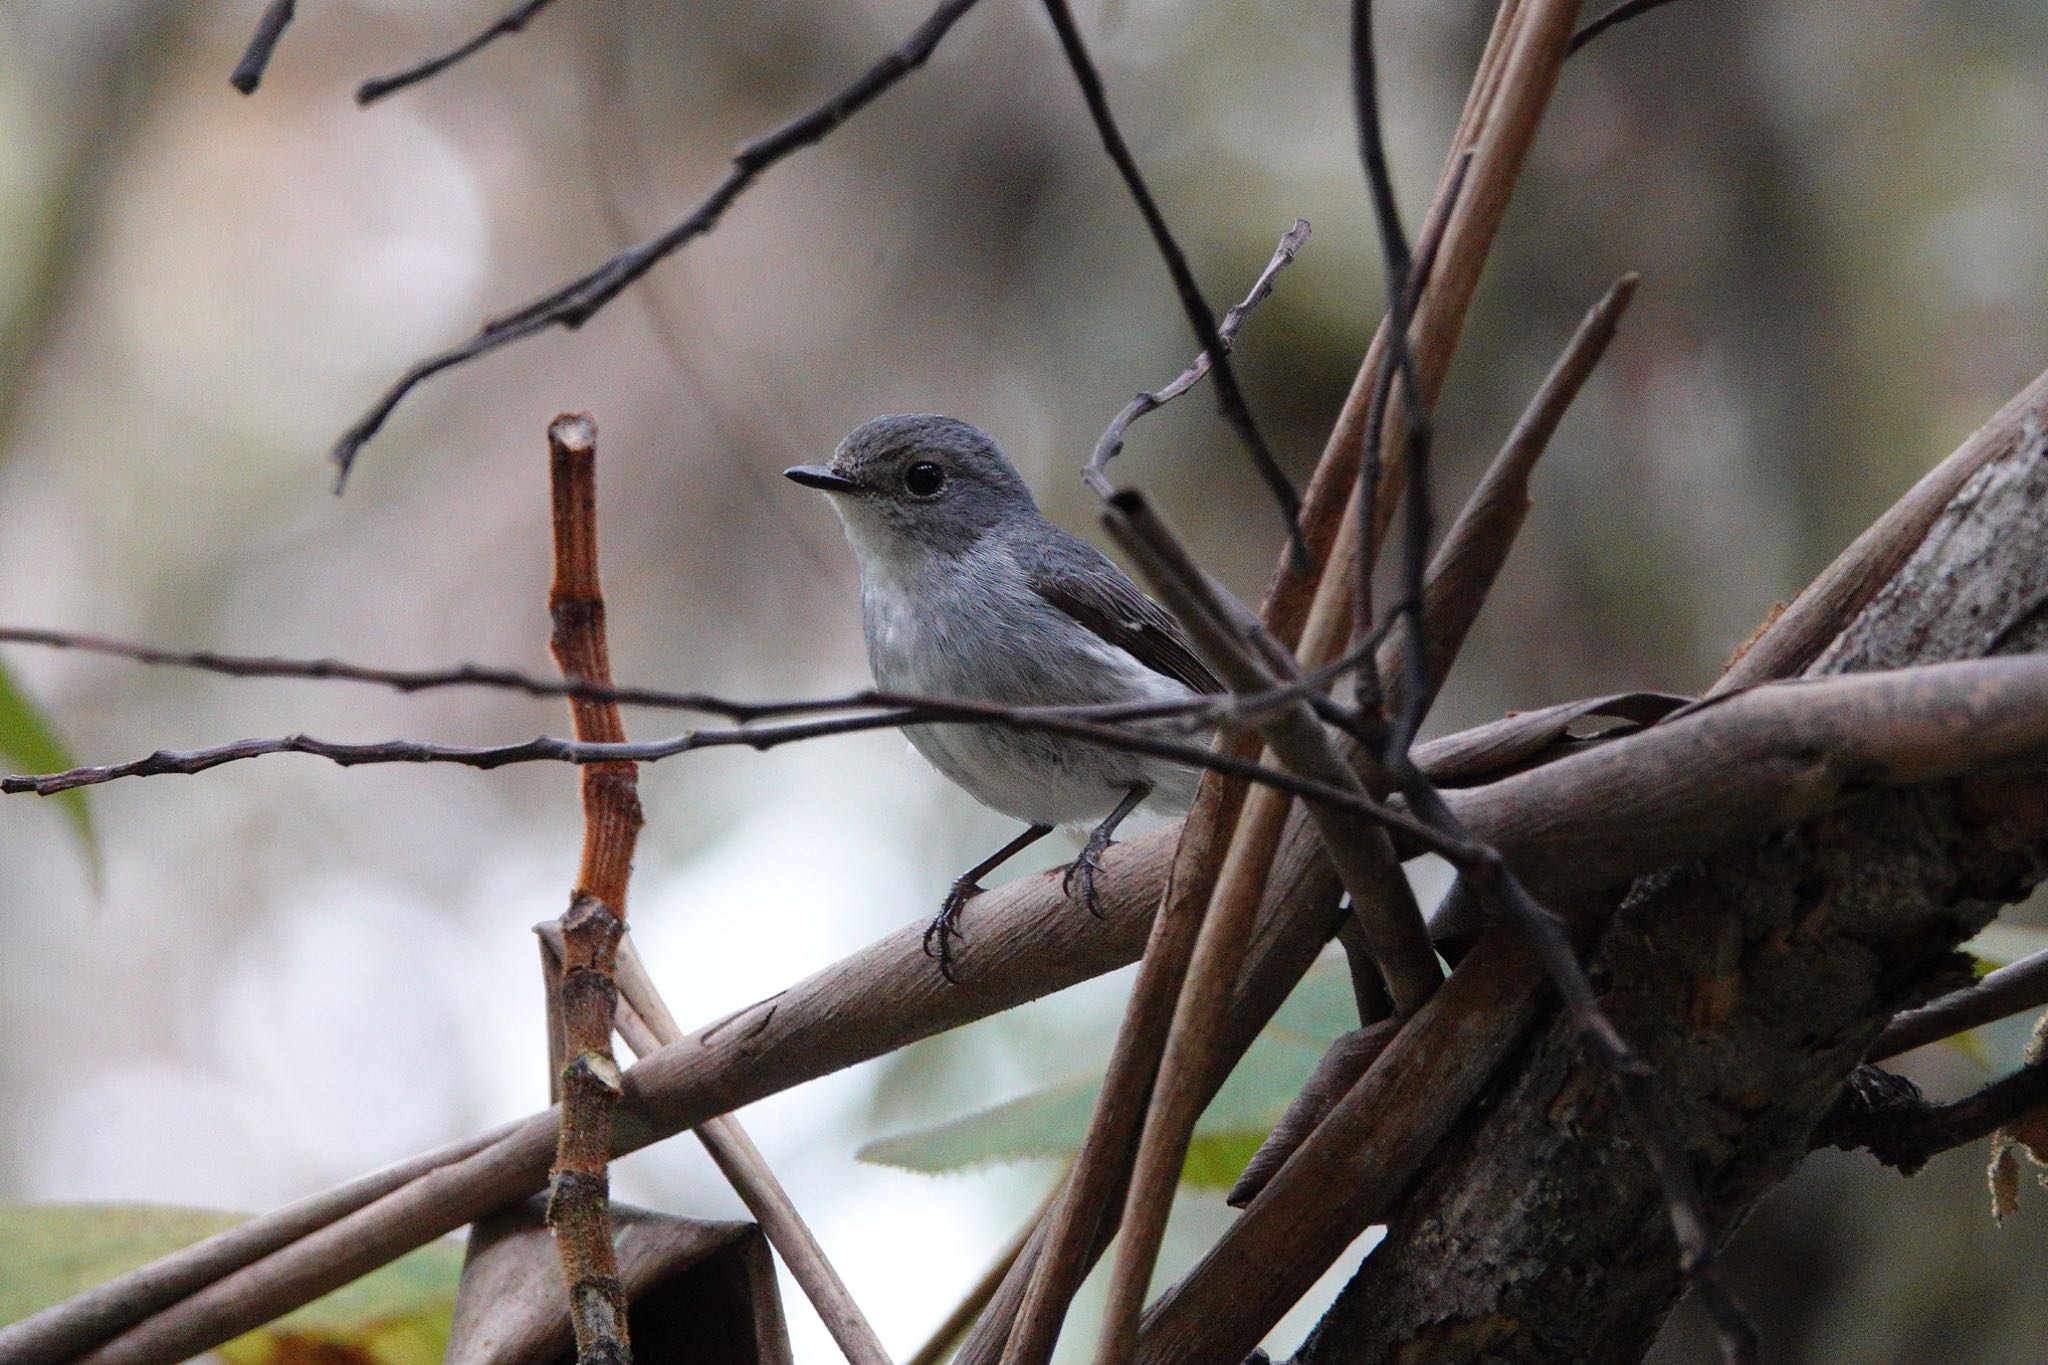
column 578, row 1187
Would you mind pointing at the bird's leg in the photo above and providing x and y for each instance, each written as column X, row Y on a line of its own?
column 966, row 886
column 1084, row 868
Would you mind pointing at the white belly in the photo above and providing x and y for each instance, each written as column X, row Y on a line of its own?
column 978, row 642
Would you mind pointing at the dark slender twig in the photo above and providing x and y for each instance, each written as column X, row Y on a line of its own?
column 248, row 72
column 1620, row 14
column 552, row 749
column 1369, row 682
column 1886, row 1113
column 1399, row 268
column 1112, row 440
column 370, row 91
column 1193, row 714
column 576, row 302
column 1229, row 397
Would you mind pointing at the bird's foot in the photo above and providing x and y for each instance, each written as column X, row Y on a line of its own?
column 945, row 927
column 1081, row 872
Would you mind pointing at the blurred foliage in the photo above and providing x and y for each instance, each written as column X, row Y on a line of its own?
column 30, row 742
column 398, row 1315
column 1051, row 1120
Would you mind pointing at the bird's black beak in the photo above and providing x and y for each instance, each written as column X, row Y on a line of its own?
column 819, row 477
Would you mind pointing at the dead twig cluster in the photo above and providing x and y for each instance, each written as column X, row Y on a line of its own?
column 1309, row 806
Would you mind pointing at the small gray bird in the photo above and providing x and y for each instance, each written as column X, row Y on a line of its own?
column 968, row 593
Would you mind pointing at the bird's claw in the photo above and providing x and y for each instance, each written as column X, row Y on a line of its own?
column 945, row 927
column 1082, row 870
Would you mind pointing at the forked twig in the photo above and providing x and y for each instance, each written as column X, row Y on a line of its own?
column 572, row 304
column 1106, row 449
column 1229, row 397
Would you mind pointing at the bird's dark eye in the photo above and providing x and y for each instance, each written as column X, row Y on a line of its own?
column 924, row 479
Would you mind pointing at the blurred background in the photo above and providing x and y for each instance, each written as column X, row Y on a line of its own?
column 276, row 975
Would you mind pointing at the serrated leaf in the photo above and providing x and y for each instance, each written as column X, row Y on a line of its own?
column 398, row 1315
column 30, row 743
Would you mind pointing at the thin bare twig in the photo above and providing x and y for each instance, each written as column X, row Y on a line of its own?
column 1229, row 397
column 1200, row 713
column 1106, row 449
column 576, row 302
column 370, row 91
column 2018, row 986
column 1620, row 14
column 591, row 1084
column 248, row 72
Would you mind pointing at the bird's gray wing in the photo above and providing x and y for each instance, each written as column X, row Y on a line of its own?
column 1074, row 577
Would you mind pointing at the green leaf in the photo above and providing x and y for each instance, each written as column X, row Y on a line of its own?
column 29, row 742
column 1052, row 1120
column 2001, row 944
column 398, row 1315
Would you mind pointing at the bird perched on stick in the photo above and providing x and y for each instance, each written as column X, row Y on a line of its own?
column 968, row 593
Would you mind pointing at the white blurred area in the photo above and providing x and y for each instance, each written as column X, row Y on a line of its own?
column 291, row 973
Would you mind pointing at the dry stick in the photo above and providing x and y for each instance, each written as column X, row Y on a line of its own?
column 1664, row 1149
column 248, row 72
column 2022, row 985
column 751, row 1177
column 1789, row 642
column 1229, row 397
column 1366, row 864
column 572, row 304
column 1464, row 570
column 1026, row 1311
column 1313, row 606
column 582, row 652
column 579, row 1187
column 1297, row 605
column 375, row 89
column 1112, row 441
column 1475, row 548
column 1664, row 795
column 67, row 1330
